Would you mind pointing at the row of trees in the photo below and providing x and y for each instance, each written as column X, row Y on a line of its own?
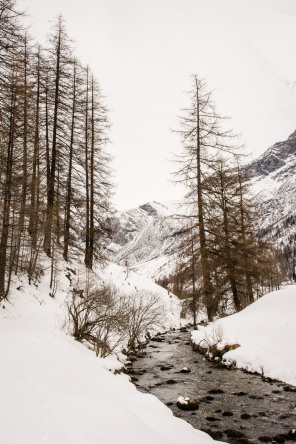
column 219, row 254
column 54, row 176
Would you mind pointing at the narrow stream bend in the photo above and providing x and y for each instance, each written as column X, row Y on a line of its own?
column 234, row 406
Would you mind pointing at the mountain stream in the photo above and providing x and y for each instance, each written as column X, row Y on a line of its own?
column 232, row 406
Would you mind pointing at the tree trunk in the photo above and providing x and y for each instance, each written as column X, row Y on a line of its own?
column 7, row 195
column 69, row 181
column 51, row 185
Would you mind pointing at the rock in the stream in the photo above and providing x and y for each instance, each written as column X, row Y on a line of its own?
column 215, row 391
column 234, row 433
column 289, row 388
column 185, row 370
column 291, row 436
column 164, row 368
column 171, row 381
column 239, row 394
column 246, row 416
column 212, row 418
column 280, row 438
column 187, row 403
column 227, row 414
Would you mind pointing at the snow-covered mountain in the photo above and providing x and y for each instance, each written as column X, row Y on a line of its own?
column 273, row 180
column 143, row 236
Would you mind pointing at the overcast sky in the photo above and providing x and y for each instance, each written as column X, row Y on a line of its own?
column 143, row 53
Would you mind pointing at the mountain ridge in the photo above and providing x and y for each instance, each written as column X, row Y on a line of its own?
column 143, row 237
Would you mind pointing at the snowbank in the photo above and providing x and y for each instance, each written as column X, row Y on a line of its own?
column 55, row 391
column 266, row 334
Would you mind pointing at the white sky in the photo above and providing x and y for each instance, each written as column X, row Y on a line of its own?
column 143, row 53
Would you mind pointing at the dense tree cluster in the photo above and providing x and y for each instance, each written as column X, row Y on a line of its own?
column 54, row 172
column 283, row 235
column 220, row 254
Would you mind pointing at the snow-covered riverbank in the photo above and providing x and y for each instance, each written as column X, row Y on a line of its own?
column 56, row 391
column 265, row 332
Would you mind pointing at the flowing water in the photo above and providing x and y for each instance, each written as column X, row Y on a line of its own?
column 234, row 406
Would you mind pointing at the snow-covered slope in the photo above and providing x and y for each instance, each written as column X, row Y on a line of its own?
column 143, row 238
column 56, row 391
column 273, row 181
column 265, row 332
column 143, row 235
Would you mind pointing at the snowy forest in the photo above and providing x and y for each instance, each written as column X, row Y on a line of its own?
column 55, row 172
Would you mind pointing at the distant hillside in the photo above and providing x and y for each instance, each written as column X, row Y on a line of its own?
column 143, row 236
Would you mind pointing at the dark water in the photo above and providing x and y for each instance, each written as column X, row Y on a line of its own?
column 248, row 407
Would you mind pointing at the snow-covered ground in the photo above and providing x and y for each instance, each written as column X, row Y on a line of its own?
column 130, row 282
column 56, row 391
column 265, row 332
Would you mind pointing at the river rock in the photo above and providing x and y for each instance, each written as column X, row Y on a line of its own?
column 280, row 438
column 215, row 434
column 187, row 403
column 164, row 368
column 212, row 418
column 215, row 391
column 239, row 394
column 234, row 433
column 171, row 381
column 185, row 370
column 291, row 435
column 246, row 416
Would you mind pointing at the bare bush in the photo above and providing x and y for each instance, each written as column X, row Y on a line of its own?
column 106, row 319
column 213, row 338
column 98, row 319
column 144, row 312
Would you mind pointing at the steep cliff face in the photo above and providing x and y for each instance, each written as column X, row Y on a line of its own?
column 143, row 237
